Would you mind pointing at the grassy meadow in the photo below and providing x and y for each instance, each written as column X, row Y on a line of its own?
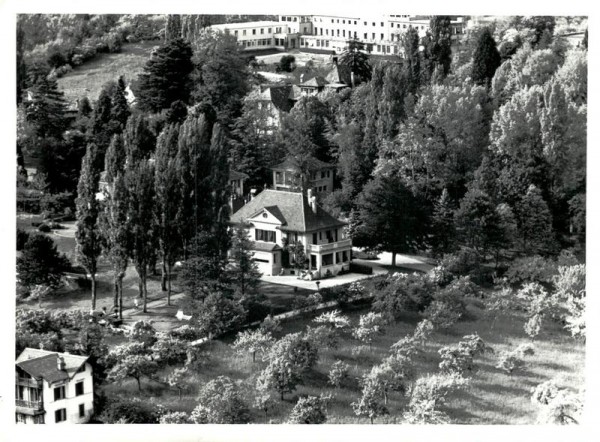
column 493, row 397
column 88, row 79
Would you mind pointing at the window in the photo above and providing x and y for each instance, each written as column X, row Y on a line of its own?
column 381, row 23
column 260, row 260
column 373, row 23
column 378, row 48
column 373, row 36
column 253, row 31
column 60, row 415
column 235, row 32
column 81, row 410
column 278, row 178
column 331, row 20
column 320, row 236
column 79, row 388
column 343, row 22
column 343, row 33
column 264, row 235
column 326, row 31
column 244, row 32
column 354, row 21
column 262, row 31
column 365, row 23
column 326, row 43
column 21, row 418
column 313, row 261
column 304, row 29
column 355, row 34
column 338, row 20
column 274, row 258
column 318, row 43
column 315, row 238
column 271, row 29
column 327, row 260
column 365, row 37
column 345, row 256
column 59, row 393
column 403, row 26
column 338, row 32
column 321, row 31
column 328, row 172
column 324, row 188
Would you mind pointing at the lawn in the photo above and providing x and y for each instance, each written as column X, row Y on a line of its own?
column 88, row 79
column 493, row 397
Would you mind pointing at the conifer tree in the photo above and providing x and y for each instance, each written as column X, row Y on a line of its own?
column 114, row 161
column 357, row 60
column 412, row 59
column 244, row 272
column 89, row 244
column 166, row 77
column 486, row 59
column 168, row 201
column 100, row 124
column 440, row 45
column 120, row 108
column 535, row 223
column 139, row 141
column 443, row 225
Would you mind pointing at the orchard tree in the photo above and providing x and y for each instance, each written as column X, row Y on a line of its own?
column 428, row 394
column 88, row 237
column 369, row 404
column 511, row 361
column 252, row 342
column 131, row 360
column 309, row 410
column 220, row 401
column 423, row 330
column 338, row 372
column 369, row 326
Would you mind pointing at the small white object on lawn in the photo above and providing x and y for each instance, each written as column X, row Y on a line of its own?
column 181, row 316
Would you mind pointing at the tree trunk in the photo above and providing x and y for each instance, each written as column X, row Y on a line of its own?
column 281, row 394
column 169, row 284
column 253, row 356
column 163, row 279
column 139, row 384
column 93, row 278
column 393, row 259
column 116, row 291
column 140, row 285
column 145, row 293
column 180, row 394
column 120, row 297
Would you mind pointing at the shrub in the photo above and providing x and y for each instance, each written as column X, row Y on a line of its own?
column 404, row 293
column 510, row 361
column 22, row 237
column 464, row 262
column 44, row 228
column 174, row 417
column 132, row 411
column 220, row 402
column 361, row 269
column 441, row 315
column 530, row 269
column 287, row 63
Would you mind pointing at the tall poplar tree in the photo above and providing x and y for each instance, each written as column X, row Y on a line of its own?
column 168, row 201
column 141, row 222
column 89, row 242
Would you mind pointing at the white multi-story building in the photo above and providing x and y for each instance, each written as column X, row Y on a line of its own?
column 277, row 218
column 53, row 388
column 379, row 33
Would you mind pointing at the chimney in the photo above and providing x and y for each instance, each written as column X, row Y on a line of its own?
column 252, row 193
column 312, row 200
column 60, row 363
column 302, row 78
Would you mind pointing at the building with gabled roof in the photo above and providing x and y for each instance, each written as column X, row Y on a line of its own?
column 310, row 173
column 53, row 387
column 275, row 219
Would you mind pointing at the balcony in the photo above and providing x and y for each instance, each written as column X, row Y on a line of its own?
column 321, row 248
column 28, row 382
column 31, row 405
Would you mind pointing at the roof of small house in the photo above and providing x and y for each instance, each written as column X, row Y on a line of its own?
column 44, row 364
column 292, row 164
column 280, row 95
column 260, row 246
column 340, row 74
column 293, row 207
column 235, row 175
column 317, row 81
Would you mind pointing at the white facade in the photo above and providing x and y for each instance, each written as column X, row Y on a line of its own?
column 380, row 33
column 69, row 400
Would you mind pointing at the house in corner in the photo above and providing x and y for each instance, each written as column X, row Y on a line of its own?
column 294, row 175
column 53, row 388
column 277, row 218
